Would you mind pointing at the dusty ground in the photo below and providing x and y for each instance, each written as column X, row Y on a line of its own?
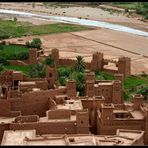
column 85, row 43
column 112, row 43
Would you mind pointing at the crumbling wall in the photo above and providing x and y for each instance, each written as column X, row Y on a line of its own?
column 5, row 108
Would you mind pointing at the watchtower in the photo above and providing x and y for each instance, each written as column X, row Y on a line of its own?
column 97, row 61
column 82, row 119
column 55, row 55
column 117, row 92
column 71, row 88
column 51, row 76
column 33, row 56
column 124, row 66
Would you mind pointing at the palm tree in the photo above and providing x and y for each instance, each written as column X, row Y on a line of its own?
column 80, row 64
column 80, row 83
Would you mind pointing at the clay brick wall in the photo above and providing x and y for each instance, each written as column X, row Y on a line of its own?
column 124, row 66
column 71, row 88
column 66, row 62
column 112, row 71
column 89, row 88
column 51, row 76
column 117, row 92
column 14, row 94
column 2, row 78
column 106, row 91
column 15, row 113
column 68, row 127
column 119, row 106
column 34, row 103
column 5, row 108
column 82, row 118
column 97, row 61
column 59, row 114
column 43, row 85
column 88, row 65
column 110, row 127
column 33, row 56
column 55, row 55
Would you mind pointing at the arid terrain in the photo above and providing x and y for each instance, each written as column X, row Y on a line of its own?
column 112, row 43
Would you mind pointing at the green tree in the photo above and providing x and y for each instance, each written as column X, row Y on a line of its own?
column 49, row 61
column 15, row 19
column 1, row 67
column 3, row 61
column 23, row 56
column 80, row 64
column 35, row 43
column 80, row 83
column 1, row 47
column 79, row 77
column 143, row 90
column 37, row 71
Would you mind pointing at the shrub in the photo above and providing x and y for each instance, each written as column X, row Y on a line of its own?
column 1, row 67
column 1, row 47
column 37, row 71
column 35, row 43
column 4, row 35
column 143, row 89
column 3, row 61
column 49, row 61
column 23, row 56
column 15, row 19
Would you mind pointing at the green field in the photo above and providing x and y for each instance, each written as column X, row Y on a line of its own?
column 140, row 7
column 10, row 52
column 128, row 5
column 9, row 29
column 24, row 69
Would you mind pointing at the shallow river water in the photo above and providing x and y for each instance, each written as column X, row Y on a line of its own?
column 73, row 20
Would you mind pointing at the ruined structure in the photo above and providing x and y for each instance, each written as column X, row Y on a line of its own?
column 37, row 107
column 97, row 63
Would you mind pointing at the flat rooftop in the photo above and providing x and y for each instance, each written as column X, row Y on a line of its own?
column 45, row 141
column 17, row 137
column 27, row 83
column 71, row 105
column 103, row 84
column 29, row 137
column 45, row 119
column 137, row 114
column 6, row 119
column 113, row 140
column 130, row 133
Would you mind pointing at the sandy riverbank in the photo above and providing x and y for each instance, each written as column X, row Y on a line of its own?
column 77, row 11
